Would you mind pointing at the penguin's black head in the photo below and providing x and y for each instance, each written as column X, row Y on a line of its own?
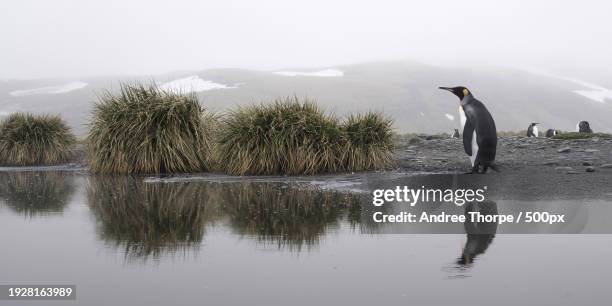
column 534, row 123
column 458, row 91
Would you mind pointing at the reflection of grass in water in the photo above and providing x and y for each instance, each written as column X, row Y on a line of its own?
column 289, row 217
column 153, row 219
column 150, row 219
column 36, row 193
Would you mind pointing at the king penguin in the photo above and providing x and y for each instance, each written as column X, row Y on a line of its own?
column 456, row 134
column 583, row 127
column 478, row 130
column 532, row 130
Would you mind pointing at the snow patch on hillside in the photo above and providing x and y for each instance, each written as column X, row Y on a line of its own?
column 49, row 90
column 192, row 84
column 593, row 92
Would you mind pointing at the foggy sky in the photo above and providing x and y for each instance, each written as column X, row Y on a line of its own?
column 49, row 38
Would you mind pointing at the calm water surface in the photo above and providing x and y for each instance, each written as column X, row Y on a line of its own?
column 124, row 241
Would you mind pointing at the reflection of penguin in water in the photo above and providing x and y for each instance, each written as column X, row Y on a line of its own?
column 479, row 133
column 532, row 130
column 456, row 134
column 583, row 127
column 479, row 235
column 551, row 133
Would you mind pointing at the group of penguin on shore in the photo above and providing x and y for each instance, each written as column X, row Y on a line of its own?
column 479, row 133
column 581, row 127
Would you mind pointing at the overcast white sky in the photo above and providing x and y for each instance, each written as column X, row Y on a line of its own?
column 47, row 38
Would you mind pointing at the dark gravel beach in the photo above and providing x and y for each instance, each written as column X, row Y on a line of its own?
column 513, row 152
column 532, row 168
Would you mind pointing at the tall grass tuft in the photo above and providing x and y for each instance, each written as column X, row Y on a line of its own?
column 370, row 142
column 146, row 130
column 27, row 139
column 288, row 136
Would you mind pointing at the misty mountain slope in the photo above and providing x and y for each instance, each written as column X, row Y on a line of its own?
column 407, row 92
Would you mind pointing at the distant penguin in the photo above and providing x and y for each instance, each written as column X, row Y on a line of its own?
column 532, row 130
column 583, row 127
column 478, row 130
column 456, row 134
column 551, row 133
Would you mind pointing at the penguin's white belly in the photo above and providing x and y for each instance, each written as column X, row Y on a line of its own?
column 578, row 127
column 462, row 118
column 474, row 142
column 474, row 149
column 535, row 131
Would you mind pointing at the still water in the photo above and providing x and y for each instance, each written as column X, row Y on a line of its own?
column 127, row 241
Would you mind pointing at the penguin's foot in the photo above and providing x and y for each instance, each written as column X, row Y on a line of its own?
column 478, row 170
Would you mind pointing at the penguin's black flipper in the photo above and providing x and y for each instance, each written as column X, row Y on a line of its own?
column 468, row 133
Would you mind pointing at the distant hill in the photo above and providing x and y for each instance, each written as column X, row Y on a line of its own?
column 405, row 91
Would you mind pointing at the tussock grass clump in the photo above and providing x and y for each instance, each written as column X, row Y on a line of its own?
column 293, row 136
column 370, row 140
column 286, row 137
column 27, row 139
column 146, row 130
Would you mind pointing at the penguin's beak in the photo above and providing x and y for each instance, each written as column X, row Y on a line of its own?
column 445, row 88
